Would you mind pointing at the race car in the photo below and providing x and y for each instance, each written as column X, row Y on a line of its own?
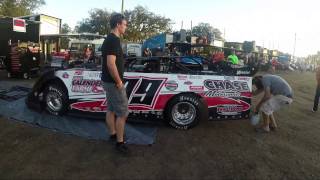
column 158, row 88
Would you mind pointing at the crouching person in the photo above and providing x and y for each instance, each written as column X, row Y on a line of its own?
column 277, row 93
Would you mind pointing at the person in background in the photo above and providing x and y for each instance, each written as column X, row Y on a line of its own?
column 233, row 58
column 175, row 52
column 317, row 96
column 88, row 55
column 147, row 52
column 274, row 63
column 218, row 57
column 277, row 93
column 113, row 82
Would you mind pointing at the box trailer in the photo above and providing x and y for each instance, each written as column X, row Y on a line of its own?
column 18, row 46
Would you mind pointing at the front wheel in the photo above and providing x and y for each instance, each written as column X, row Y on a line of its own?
column 55, row 99
column 185, row 111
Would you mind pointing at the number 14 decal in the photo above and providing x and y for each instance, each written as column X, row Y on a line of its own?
column 143, row 91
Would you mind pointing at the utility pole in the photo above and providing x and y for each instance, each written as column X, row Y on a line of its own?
column 294, row 46
column 191, row 29
column 122, row 5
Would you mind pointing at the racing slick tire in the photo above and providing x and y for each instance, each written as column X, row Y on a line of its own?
column 55, row 99
column 185, row 111
column 25, row 75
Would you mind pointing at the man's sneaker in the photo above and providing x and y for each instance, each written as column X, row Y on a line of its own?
column 261, row 130
column 122, row 148
column 272, row 128
column 113, row 138
column 313, row 110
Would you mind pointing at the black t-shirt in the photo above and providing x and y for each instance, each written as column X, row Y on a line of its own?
column 112, row 46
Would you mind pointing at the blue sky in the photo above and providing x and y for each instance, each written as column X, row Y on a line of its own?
column 271, row 23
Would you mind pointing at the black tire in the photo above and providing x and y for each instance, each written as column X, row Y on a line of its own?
column 25, row 75
column 56, row 96
column 186, row 102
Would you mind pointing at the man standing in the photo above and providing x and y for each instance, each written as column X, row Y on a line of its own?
column 233, row 58
column 147, row 52
column 112, row 77
column 277, row 93
column 317, row 97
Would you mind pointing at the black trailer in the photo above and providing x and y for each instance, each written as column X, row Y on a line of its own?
column 19, row 50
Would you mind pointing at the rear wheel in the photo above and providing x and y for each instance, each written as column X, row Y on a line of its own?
column 185, row 111
column 56, row 99
column 25, row 75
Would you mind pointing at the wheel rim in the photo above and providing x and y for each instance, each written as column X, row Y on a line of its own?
column 183, row 113
column 25, row 75
column 54, row 101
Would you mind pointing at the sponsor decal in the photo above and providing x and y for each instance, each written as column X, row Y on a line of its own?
column 227, row 85
column 196, row 88
column 229, row 109
column 19, row 25
column 195, row 77
column 243, row 78
column 215, row 102
column 78, row 72
column 243, row 72
column 94, row 75
column 65, row 75
column 81, row 85
column 188, row 83
column 230, row 78
column 171, row 85
column 90, row 106
column 182, row 77
column 222, row 94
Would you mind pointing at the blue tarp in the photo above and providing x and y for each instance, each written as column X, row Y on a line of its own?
column 155, row 42
column 191, row 60
column 140, row 134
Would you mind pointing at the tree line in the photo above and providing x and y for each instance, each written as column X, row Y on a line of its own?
column 142, row 23
column 15, row 8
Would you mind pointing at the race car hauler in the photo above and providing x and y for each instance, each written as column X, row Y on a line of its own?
column 15, row 32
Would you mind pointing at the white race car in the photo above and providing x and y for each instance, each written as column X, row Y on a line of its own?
column 157, row 88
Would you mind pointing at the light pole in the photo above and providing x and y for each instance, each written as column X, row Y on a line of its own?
column 294, row 45
column 122, row 5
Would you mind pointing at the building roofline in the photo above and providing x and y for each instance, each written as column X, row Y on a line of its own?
column 37, row 15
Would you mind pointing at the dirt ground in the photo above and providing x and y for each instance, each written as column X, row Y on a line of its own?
column 212, row 150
